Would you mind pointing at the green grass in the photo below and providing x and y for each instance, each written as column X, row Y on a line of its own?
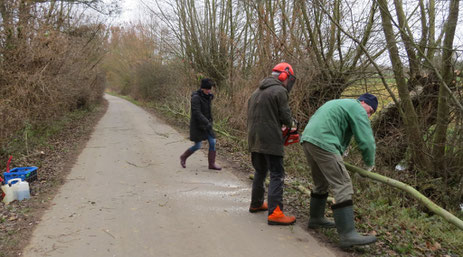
column 403, row 227
column 374, row 86
column 32, row 137
column 25, row 210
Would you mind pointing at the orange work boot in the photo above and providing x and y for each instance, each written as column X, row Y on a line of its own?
column 279, row 218
column 264, row 207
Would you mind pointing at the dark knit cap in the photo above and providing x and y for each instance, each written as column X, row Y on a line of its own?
column 207, row 83
column 369, row 99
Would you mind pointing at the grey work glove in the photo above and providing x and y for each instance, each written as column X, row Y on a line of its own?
column 370, row 168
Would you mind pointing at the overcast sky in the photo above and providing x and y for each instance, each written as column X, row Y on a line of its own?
column 129, row 10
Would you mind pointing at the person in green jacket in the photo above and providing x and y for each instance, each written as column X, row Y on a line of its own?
column 324, row 140
column 268, row 111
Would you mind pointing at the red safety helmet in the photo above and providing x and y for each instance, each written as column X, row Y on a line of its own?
column 285, row 71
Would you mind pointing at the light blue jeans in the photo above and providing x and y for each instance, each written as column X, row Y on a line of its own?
column 197, row 145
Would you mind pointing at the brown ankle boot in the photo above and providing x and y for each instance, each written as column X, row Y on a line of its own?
column 278, row 218
column 184, row 156
column 211, row 159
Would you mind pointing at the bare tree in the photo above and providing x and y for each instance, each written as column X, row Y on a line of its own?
column 424, row 85
column 48, row 63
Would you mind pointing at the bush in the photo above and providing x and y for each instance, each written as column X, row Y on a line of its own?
column 46, row 72
column 152, row 80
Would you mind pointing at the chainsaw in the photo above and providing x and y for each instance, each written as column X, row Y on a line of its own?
column 291, row 135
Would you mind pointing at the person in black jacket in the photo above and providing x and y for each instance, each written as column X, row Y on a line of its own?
column 201, row 123
column 268, row 110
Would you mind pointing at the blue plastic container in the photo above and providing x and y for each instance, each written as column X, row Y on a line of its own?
column 24, row 173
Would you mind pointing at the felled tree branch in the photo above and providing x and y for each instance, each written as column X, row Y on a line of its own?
column 411, row 191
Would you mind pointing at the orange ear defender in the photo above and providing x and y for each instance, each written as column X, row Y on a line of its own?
column 285, row 71
column 283, row 76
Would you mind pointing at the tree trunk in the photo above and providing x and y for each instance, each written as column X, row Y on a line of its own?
column 440, row 137
column 410, row 118
column 388, row 125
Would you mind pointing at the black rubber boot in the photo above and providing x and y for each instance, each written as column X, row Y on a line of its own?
column 317, row 212
column 211, row 159
column 344, row 218
column 185, row 156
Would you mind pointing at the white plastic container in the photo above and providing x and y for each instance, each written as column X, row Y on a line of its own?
column 22, row 190
column 10, row 192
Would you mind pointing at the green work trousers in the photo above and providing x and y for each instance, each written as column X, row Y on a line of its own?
column 328, row 170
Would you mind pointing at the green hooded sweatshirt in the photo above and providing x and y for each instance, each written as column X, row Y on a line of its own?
column 268, row 110
column 333, row 124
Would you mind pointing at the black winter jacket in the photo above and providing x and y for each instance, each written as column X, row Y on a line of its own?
column 268, row 110
column 201, row 116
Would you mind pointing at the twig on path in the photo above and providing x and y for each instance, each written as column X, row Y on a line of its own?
column 173, row 142
column 107, row 232
column 199, row 183
column 189, row 190
column 135, row 165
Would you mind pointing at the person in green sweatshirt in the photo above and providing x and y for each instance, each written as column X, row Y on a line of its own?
column 324, row 140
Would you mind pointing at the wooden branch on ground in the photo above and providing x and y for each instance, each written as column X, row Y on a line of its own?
column 300, row 188
column 165, row 107
column 307, row 192
column 30, row 155
column 410, row 190
column 187, row 117
column 226, row 134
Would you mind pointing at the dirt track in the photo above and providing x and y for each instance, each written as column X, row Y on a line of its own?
column 128, row 196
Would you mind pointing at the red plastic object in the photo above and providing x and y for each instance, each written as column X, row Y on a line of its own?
column 7, row 167
column 8, row 164
column 291, row 136
column 7, row 170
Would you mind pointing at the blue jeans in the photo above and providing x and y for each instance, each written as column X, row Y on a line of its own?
column 197, row 145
